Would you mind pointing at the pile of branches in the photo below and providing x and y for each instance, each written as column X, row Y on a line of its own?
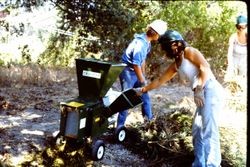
column 166, row 140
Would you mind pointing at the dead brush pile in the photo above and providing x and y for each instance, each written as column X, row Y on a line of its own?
column 167, row 140
column 238, row 90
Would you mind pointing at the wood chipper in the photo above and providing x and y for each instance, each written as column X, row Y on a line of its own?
column 86, row 117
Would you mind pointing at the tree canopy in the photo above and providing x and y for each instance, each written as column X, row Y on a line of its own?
column 102, row 29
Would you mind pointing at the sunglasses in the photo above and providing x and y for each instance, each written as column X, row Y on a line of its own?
column 241, row 26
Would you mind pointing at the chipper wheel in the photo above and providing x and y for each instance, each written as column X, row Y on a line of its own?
column 98, row 149
column 120, row 133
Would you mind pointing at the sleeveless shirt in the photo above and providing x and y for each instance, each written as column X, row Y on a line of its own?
column 189, row 71
column 239, row 50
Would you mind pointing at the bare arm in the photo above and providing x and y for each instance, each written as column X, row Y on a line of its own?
column 138, row 72
column 200, row 62
column 143, row 67
column 169, row 74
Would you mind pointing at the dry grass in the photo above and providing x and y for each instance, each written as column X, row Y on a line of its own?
column 33, row 75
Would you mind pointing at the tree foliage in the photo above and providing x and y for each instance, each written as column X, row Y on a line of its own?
column 205, row 25
column 27, row 4
column 102, row 29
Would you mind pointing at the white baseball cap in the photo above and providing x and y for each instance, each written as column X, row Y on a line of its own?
column 159, row 26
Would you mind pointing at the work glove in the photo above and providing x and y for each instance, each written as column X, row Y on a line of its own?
column 138, row 91
column 141, row 84
column 199, row 96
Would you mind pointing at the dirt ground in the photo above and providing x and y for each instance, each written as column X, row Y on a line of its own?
column 30, row 116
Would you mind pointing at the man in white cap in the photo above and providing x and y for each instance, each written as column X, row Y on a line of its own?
column 135, row 56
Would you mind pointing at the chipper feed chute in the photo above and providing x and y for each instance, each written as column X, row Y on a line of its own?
column 96, row 77
column 86, row 116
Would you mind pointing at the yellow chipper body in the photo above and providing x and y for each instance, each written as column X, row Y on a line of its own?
column 88, row 115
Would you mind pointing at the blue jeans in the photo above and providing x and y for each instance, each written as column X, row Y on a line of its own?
column 129, row 80
column 205, row 130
